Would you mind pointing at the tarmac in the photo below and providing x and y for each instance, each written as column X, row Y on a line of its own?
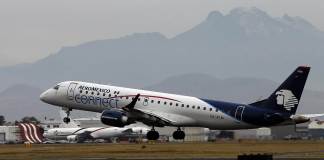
column 219, row 150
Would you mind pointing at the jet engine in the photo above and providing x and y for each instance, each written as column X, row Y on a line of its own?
column 113, row 117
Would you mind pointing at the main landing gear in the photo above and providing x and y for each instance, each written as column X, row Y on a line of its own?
column 178, row 134
column 67, row 119
column 152, row 134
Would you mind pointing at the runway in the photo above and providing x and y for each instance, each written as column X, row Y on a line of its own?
column 218, row 150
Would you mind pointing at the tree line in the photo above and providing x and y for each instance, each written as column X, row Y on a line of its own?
column 26, row 119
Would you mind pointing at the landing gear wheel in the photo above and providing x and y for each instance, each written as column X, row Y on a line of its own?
column 66, row 120
column 178, row 134
column 152, row 134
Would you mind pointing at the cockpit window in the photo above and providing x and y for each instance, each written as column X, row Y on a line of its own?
column 56, row 87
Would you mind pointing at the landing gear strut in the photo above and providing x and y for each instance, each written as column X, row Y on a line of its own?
column 67, row 118
column 178, row 134
column 152, row 134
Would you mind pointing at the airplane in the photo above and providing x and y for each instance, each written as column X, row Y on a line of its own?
column 121, row 106
column 79, row 135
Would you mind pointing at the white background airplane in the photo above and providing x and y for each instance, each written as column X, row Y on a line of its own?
column 80, row 135
column 123, row 106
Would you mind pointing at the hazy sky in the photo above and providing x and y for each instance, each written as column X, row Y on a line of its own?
column 32, row 29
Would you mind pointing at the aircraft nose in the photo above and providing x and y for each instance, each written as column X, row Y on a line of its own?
column 46, row 96
column 43, row 96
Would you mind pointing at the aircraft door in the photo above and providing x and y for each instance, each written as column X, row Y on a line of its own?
column 70, row 91
column 146, row 101
column 239, row 113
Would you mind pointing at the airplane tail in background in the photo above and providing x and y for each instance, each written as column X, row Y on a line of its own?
column 287, row 96
column 31, row 133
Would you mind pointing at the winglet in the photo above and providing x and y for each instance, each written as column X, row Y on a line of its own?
column 131, row 105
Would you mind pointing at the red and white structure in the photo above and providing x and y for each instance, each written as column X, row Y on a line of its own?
column 30, row 133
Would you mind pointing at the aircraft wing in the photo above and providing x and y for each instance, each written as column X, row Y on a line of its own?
column 166, row 118
column 162, row 116
column 151, row 116
column 312, row 115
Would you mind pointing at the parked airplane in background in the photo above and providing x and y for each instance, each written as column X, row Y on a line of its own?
column 80, row 135
column 122, row 106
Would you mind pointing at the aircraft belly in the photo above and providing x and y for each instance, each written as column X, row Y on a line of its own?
column 229, row 123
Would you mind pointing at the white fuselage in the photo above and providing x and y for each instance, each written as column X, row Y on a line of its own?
column 179, row 110
column 94, row 132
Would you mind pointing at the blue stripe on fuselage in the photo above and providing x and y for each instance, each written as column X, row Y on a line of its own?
column 251, row 114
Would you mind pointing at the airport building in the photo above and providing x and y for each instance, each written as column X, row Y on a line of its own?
column 23, row 132
column 10, row 134
column 259, row 133
column 316, row 129
column 50, row 123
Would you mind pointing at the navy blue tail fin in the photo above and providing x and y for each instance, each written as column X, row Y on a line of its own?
column 287, row 96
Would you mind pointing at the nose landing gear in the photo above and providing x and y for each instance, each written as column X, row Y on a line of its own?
column 178, row 134
column 67, row 119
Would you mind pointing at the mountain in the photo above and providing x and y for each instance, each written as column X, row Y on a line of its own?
column 246, row 42
column 240, row 90
column 21, row 100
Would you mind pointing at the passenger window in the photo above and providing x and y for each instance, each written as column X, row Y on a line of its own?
column 104, row 94
column 198, row 107
column 165, row 103
column 86, row 92
column 145, row 100
column 138, row 99
column 80, row 91
column 176, row 104
column 170, row 103
column 152, row 101
column 109, row 95
column 210, row 109
column 159, row 102
column 92, row 93
column 204, row 108
column 187, row 105
column 193, row 107
column 98, row 93
column 182, row 105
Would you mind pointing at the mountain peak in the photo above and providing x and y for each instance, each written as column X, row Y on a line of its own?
column 214, row 15
column 297, row 22
column 251, row 11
